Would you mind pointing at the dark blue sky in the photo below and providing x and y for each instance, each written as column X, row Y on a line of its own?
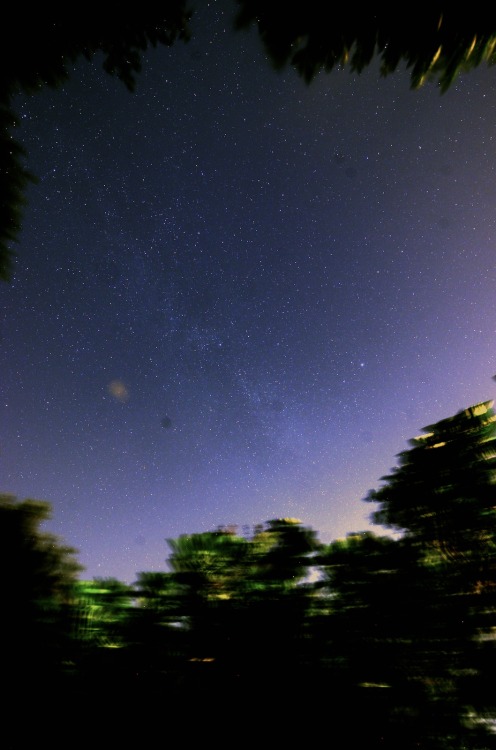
column 236, row 296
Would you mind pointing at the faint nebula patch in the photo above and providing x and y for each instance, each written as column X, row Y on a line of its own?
column 118, row 390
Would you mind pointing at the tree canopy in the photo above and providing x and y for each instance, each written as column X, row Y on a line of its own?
column 433, row 43
column 443, row 493
column 38, row 575
column 400, row 631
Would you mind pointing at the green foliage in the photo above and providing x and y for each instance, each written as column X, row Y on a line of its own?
column 35, row 565
column 243, row 600
column 399, row 630
column 101, row 611
column 443, row 493
column 38, row 578
column 442, row 498
column 376, row 638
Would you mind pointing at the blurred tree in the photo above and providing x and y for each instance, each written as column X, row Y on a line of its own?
column 103, row 609
column 208, row 569
column 275, row 629
column 39, row 576
column 433, row 42
column 102, row 616
column 157, row 639
column 443, row 495
column 376, row 639
column 245, row 601
column 442, row 498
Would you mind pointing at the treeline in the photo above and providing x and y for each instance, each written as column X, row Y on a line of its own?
column 393, row 638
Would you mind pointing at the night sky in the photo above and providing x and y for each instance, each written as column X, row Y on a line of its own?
column 236, row 296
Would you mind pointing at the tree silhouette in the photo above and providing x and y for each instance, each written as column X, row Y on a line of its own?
column 208, row 570
column 274, row 613
column 442, row 494
column 377, row 639
column 244, row 603
column 442, row 497
column 39, row 575
column 156, row 638
column 433, row 42
column 400, row 631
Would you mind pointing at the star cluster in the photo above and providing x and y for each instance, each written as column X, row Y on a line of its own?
column 236, row 296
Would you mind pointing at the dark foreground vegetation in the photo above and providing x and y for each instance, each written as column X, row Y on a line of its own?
column 387, row 641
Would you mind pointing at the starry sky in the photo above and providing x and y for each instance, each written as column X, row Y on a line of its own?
column 236, row 296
